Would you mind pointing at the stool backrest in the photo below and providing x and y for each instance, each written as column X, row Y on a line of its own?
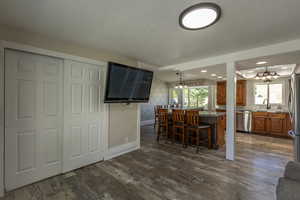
column 163, row 116
column 178, row 116
column 156, row 108
column 192, row 117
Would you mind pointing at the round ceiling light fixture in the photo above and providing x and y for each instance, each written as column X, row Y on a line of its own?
column 200, row 16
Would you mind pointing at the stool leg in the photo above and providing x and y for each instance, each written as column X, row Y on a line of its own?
column 183, row 138
column 209, row 137
column 167, row 133
column 173, row 135
column 198, row 140
column 158, row 133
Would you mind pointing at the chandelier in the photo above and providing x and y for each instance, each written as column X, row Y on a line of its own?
column 180, row 84
column 267, row 76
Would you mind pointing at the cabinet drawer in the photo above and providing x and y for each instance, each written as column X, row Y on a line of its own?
column 277, row 115
column 260, row 114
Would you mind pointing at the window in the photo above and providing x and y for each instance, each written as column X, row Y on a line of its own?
column 261, row 94
column 174, row 94
column 275, row 96
column 196, row 97
column 273, row 92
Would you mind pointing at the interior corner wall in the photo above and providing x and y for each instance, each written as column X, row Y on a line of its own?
column 158, row 96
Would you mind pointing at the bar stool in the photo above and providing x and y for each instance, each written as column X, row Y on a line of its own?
column 163, row 123
column 156, row 108
column 193, row 125
column 178, row 118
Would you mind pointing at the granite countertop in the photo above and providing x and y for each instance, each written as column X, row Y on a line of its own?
column 211, row 114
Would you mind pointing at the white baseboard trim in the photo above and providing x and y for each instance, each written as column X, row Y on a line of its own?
column 147, row 122
column 120, row 150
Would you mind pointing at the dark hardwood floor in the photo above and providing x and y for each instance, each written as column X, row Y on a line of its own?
column 166, row 171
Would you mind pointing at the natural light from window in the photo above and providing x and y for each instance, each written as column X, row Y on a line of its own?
column 275, row 93
column 196, row 97
column 261, row 93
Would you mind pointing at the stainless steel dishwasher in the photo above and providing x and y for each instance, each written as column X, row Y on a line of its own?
column 244, row 121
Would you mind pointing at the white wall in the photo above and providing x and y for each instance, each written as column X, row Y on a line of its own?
column 158, row 96
column 119, row 117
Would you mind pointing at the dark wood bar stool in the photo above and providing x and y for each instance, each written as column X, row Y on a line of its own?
column 163, row 124
column 193, row 128
column 156, row 108
column 178, row 118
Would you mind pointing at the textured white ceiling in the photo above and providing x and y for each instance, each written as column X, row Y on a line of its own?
column 148, row 30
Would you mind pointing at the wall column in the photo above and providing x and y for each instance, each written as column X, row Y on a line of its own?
column 1, row 121
column 230, row 110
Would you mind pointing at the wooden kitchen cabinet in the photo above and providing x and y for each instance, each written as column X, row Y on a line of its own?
column 241, row 93
column 259, row 122
column 288, row 125
column 276, row 124
column 273, row 124
column 221, row 92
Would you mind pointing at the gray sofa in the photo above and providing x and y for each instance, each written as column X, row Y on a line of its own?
column 288, row 187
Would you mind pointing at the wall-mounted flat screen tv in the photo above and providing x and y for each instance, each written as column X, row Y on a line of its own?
column 126, row 84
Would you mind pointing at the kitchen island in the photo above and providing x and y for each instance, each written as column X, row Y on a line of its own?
column 217, row 121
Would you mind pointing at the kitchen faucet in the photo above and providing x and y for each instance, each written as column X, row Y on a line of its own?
column 268, row 103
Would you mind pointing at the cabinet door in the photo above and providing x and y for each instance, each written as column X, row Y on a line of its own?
column 288, row 125
column 241, row 93
column 221, row 93
column 276, row 124
column 221, row 130
column 259, row 122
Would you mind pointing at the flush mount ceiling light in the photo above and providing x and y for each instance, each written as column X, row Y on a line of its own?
column 203, row 70
column 261, row 62
column 200, row 16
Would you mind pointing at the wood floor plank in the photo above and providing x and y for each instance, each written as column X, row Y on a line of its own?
column 165, row 171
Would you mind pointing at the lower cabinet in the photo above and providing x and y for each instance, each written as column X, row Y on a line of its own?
column 221, row 130
column 276, row 124
column 259, row 122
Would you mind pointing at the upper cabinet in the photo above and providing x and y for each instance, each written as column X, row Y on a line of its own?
column 241, row 93
column 221, row 93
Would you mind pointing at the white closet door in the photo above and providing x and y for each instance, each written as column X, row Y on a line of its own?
column 33, row 117
column 82, row 117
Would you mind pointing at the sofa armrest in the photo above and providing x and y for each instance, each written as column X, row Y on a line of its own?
column 292, row 171
column 287, row 189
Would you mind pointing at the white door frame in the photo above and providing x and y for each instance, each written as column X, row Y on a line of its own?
column 31, row 49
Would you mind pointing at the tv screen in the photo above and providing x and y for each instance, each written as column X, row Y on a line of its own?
column 126, row 84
